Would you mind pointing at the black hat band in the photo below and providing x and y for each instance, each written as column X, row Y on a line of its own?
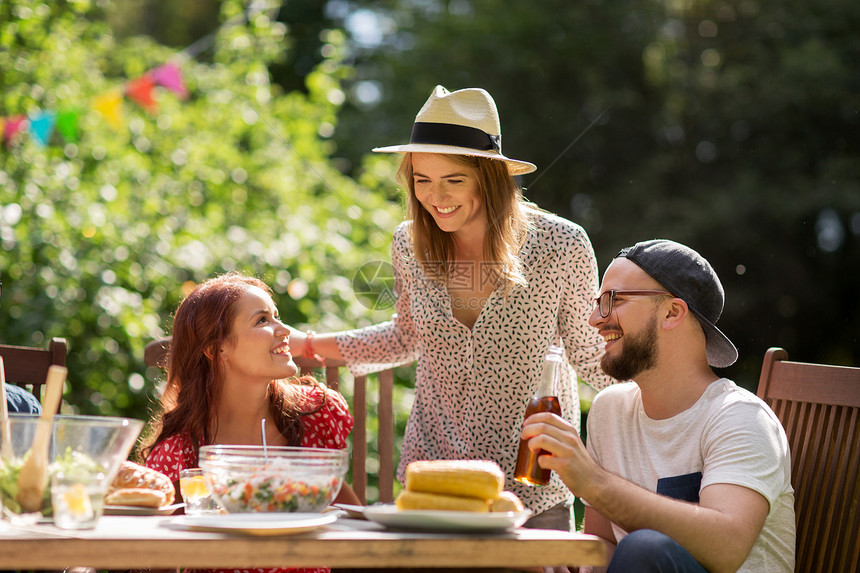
column 454, row 135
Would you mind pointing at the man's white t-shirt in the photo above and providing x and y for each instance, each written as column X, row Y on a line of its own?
column 728, row 436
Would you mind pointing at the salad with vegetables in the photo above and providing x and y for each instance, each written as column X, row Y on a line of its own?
column 272, row 492
column 69, row 462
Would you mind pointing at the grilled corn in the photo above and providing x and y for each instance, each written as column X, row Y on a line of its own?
column 506, row 501
column 464, row 478
column 408, row 500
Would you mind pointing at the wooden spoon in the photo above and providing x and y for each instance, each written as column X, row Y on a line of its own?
column 6, row 452
column 34, row 473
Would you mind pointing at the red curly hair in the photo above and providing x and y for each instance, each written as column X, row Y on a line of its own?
column 201, row 326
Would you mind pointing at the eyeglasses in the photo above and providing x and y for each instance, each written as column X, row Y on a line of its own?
column 605, row 301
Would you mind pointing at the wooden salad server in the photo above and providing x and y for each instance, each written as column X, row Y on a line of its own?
column 34, row 473
column 6, row 452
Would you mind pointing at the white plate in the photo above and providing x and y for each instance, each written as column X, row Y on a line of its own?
column 256, row 523
column 390, row 516
column 136, row 510
column 353, row 511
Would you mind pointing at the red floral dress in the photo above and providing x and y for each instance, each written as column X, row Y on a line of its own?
column 326, row 428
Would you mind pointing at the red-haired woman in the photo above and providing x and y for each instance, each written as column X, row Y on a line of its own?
column 229, row 367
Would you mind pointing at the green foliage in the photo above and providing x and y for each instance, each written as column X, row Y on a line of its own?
column 729, row 125
column 101, row 235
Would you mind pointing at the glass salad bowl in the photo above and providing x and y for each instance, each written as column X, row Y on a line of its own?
column 85, row 445
column 249, row 479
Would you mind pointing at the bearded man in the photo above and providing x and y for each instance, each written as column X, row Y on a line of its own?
column 683, row 470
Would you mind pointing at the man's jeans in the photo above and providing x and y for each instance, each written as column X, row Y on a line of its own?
column 648, row 551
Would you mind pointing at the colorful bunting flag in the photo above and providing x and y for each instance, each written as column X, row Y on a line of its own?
column 170, row 76
column 14, row 126
column 42, row 126
column 67, row 124
column 140, row 90
column 110, row 106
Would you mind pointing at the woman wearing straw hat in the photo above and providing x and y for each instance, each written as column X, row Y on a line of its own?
column 484, row 283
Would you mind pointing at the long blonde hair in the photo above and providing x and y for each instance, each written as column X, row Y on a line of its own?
column 507, row 223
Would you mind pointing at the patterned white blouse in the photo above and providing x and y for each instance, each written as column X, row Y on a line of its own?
column 472, row 386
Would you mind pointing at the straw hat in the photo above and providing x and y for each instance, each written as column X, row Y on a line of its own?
column 464, row 122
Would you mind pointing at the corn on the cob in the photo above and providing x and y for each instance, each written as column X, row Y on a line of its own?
column 506, row 501
column 409, row 500
column 465, row 478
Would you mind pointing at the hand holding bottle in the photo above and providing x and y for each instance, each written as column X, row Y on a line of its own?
column 545, row 399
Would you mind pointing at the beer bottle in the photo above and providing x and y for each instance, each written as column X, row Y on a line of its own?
column 545, row 399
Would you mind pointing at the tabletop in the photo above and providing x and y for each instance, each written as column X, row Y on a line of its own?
column 123, row 542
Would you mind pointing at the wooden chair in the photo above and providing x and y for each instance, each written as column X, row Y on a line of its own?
column 27, row 367
column 819, row 407
column 156, row 351
column 385, row 431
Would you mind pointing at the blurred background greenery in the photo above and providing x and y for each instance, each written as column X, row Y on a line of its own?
column 728, row 125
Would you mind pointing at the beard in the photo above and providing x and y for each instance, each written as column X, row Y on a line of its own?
column 638, row 353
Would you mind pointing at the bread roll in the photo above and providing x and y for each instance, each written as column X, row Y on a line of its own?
column 421, row 500
column 137, row 496
column 464, row 478
column 136, row 476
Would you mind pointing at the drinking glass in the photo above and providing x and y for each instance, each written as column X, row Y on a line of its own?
column 196, row 494
column 78, row 498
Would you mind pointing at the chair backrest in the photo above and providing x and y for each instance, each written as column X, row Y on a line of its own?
column 385, row 432
column 27, row 366
column 819, row 407
column 156, row 350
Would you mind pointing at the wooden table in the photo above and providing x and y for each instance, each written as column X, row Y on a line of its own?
column 123, row 542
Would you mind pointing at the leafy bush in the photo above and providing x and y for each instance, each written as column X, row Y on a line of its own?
column 101, row 233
